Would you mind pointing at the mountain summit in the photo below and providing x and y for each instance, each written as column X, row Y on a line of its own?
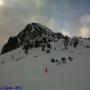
column 33, row 34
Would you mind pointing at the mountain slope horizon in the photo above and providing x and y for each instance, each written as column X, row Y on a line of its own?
column 29, row 35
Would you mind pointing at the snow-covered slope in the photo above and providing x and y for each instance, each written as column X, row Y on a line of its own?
column 36, row 71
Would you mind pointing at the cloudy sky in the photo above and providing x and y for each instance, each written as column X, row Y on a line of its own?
column 71, row 17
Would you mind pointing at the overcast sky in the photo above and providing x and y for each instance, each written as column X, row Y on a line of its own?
column 71, row 17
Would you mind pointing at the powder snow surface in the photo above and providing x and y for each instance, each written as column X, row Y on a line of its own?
column 28, row 71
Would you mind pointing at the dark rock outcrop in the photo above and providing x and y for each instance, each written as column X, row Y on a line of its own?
column 34, row 35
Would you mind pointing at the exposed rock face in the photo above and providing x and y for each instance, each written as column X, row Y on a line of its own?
column 34, row 35
column 10, row 45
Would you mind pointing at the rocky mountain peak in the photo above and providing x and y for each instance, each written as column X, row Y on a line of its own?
column 31, row 34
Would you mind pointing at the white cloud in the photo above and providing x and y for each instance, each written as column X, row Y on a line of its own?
column 84, row 31
column 1, row 3
column 65, row 33
column 53, row 25
column 40, row 3
column 38, row 19
column 2, row 40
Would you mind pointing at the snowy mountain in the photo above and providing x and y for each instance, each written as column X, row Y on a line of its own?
column 32, row 34
column 48, row 61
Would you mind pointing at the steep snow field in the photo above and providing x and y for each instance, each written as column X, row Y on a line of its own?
column 28, row 71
